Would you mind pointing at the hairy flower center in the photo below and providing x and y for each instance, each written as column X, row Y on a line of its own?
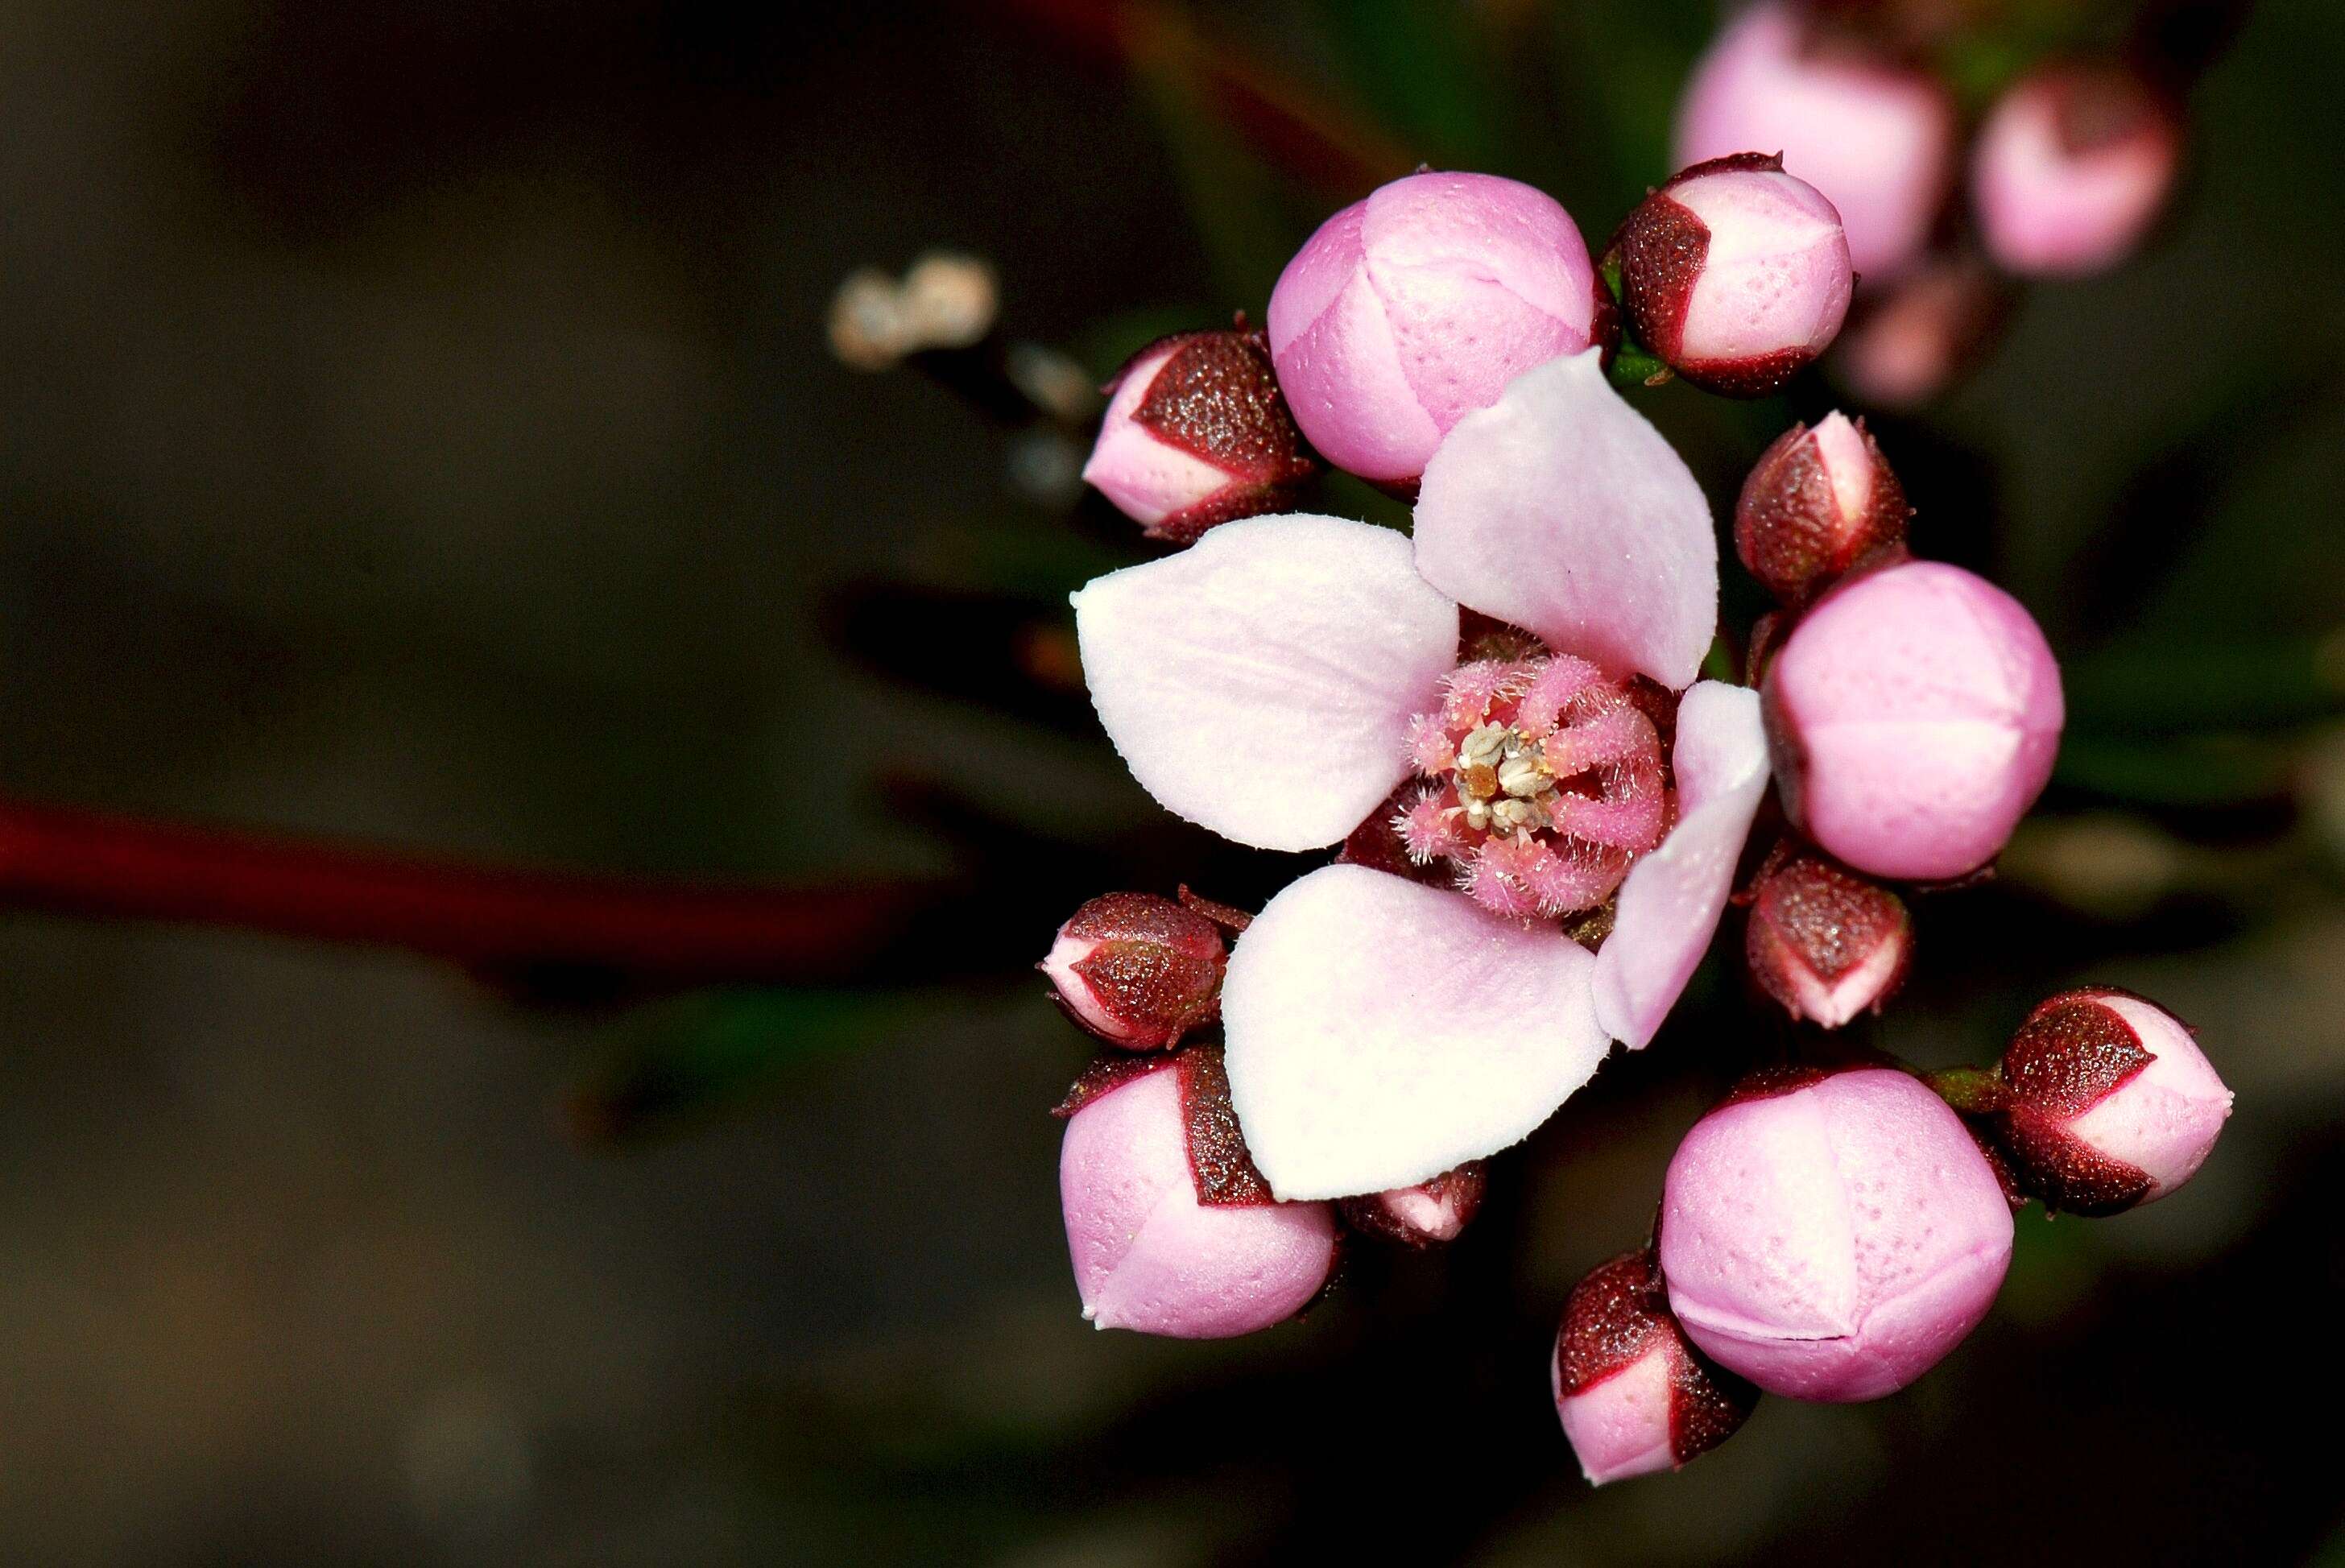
column 1541, row 784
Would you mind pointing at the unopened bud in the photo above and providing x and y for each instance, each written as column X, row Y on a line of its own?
column 1735, row 274
column 2107, row 1102
column 1634, row 1393
column 1911, row 342
column 1832, row 1235
column 1817, row 501
column 1826, row 943
column 1426, row 1215
column 1196, row 433
column 1876, row 137
column 2071, row 167
column 1416, row 305
column 1138, row 971
column 1914, row 715
column 1171, row 1228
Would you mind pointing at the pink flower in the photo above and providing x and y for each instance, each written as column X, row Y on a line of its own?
column 1168, row 1224
column 1914, row 715
column 1633, row 1394
column 1196, row 433
column 2070, row 167
column 2110, row 1103
column 1735, row 274
column 1831, row 1237
column 1931, row 326
column 1276, row 682
column 1877, row 139
column 1411, row 308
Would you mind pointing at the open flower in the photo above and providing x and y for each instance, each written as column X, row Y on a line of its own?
column 1289, row 678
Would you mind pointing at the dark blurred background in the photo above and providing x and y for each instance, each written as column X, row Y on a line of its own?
column 420, row 427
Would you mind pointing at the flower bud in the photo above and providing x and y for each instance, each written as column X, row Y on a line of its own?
column 1171, row 1228
column 1633, row 1394
column 1832, row 1235
column 1818, row 501
column 1138, row 971
column 1877, row 139
column 1426, row 1215
column 1824, row 942
column 1913, row 714
column 1196, row 433
column 2108, row 1102
column 1735, row 274
column 1908, row 344
column 2070, row 167
column 1413, row 307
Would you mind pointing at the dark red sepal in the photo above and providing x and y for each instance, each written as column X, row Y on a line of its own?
column 1619, row 1315
column 1108, row 1071
column 2072, row 1051
column 1462, row 1189
column 1216, row 397
column 2069, row 1175
column 1225, row 1173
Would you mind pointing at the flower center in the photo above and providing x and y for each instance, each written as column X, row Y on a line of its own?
column 1541, row 784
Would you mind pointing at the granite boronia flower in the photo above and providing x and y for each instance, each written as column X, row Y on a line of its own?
column 1278, row 680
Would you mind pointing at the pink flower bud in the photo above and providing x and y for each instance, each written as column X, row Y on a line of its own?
column 1831, row 1236
column 1817, row 501
column 2070, row 167
column 2109, row 1102
column 1877, row 139
column 1824, row 942
column 1909, row 344
column 1914, row 715
column 1138, row 971
column 1426, row 1215
column 1633, row 1394
column 1734, row 273
column 1410, row 310
column 1172, row 1229
column 1196, row 433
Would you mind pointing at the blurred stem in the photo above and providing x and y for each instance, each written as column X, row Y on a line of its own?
column 500, row 922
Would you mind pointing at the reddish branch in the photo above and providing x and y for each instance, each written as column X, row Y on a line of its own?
column 494, row 921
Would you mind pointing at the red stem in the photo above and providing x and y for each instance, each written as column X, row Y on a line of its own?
column 492, row 920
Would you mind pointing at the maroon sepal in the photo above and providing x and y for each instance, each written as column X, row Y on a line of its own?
column 1789, row 531
column 1108, row 1070
column 1229, row 917
column 1814, row 920
column 1224, row 1173
column 2069, row 1175
column 1619, row 1315
column 1216, row 397
column 2072, row 1053
column 1767, row 1082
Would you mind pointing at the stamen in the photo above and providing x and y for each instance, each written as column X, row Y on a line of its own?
column 1544, row 783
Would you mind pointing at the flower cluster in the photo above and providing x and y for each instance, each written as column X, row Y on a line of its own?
column 1539, row 812
column 2070, row 165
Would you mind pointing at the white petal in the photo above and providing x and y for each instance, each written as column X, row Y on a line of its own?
column 1559, row 509
column 1670, row 903
column 1261, row 682
column 1381, row 1032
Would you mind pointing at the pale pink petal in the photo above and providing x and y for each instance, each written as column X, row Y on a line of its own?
column 1261, row 682
column 1381, row 1032
column 1671, row 904
column 1560, row 510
